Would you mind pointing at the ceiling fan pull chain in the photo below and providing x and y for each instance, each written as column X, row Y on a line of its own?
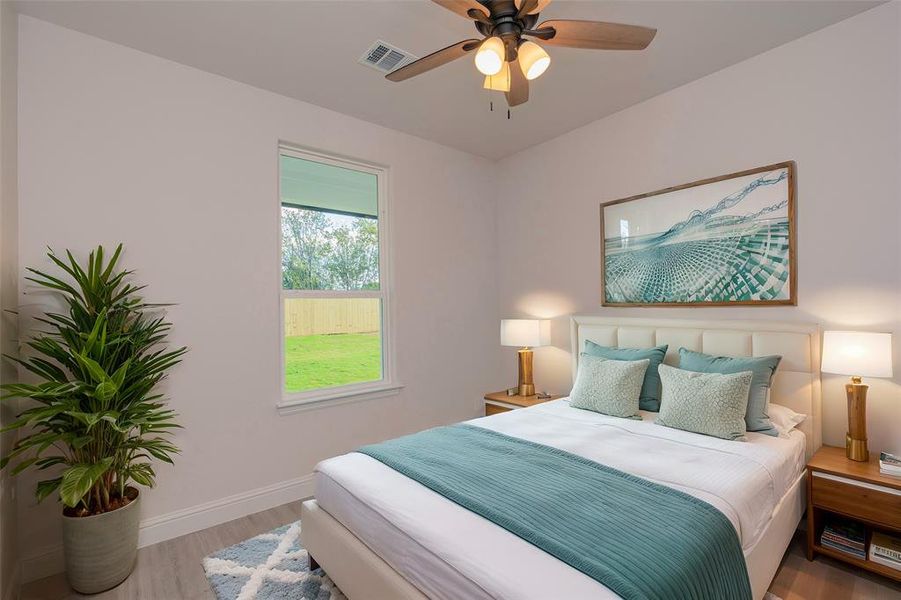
column 508, row 114
column 491, row 104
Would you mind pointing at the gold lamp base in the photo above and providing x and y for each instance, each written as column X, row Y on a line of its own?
column 856, row 438
column 526, row 385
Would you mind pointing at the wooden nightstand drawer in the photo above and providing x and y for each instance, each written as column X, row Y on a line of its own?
column 494, row 409
column 500, row 402
column 875, row 503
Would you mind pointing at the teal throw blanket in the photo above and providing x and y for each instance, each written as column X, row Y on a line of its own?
column 640, row 539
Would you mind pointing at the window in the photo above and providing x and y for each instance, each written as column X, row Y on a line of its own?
column 334, row 278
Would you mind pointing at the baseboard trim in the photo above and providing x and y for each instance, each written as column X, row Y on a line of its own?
column 201, row 516
column 49, row 560
column 11, row 591
column 43, row 562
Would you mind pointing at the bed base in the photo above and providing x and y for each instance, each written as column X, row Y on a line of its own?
column 357, row 570
column 361, row 573
column 765, row 557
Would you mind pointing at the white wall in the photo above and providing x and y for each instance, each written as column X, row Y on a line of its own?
column 829, row 101
column 8, row 279
column 182, row 166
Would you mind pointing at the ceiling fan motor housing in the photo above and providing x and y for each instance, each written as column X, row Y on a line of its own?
column 505, row 25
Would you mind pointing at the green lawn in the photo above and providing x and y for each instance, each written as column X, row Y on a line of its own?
column 315, row 361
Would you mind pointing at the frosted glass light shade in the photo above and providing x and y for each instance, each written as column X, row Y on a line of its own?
column 533, row 60
column 490, row 57
column 857, row 353
column 499, row 82
column 525, row 332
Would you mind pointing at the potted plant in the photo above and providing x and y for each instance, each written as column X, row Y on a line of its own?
column 94, row 419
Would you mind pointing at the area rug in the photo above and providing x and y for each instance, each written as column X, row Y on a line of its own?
column 269, row 566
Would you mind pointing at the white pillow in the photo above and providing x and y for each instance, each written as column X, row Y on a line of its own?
column 784, row 418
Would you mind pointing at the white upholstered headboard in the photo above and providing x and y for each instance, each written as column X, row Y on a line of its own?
column 797, row 381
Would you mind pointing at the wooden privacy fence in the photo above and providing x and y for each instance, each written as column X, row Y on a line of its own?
column 316, row 316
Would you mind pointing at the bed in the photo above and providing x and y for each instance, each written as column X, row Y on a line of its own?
column 381, row 535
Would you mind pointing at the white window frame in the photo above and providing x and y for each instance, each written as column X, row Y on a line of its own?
column 388, row 385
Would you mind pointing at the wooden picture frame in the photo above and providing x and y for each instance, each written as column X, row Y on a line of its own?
column 760, row 270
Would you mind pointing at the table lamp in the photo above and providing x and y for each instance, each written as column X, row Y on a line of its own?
column 857, row 354
column 525, row 333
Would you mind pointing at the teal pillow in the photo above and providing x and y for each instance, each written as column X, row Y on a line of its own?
column 706, row 403
column 650, row 389
column 607, row 386
column 762, row 367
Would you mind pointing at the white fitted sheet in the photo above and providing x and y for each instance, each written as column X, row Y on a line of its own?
column 450, row 552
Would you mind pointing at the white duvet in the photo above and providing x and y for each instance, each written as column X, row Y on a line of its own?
column 450, row 552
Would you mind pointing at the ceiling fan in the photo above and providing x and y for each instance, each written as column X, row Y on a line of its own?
column 506, row 58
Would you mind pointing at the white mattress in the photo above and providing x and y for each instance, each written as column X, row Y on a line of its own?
column 449, row 552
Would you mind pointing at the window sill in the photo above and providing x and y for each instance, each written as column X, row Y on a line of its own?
column 290, row 405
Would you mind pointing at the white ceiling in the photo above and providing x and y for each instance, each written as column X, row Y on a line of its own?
column 309, row 49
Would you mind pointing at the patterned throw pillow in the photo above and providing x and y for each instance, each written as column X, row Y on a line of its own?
column 762, row 367
column 708, row 403
column 650, row 389
column 610, row 387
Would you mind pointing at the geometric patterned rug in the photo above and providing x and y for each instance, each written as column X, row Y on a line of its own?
column 269, row 566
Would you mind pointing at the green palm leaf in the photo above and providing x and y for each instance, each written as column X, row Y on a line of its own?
column 79, row 479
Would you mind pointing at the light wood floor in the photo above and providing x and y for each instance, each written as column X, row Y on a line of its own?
column 172, row 570
column 827, row 579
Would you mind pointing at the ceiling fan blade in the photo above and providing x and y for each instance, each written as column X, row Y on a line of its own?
column 519, row 86
column 597, row 35
column 536, row 6
column 433, row 60
column 462, row 7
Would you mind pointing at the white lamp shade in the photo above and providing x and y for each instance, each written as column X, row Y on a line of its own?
column 525, row 332
column 533, row 60
column 857, row 353
column 499, row 82
column 490, row 56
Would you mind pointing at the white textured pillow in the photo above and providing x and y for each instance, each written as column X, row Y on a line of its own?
column 707, row 403
column 610, row 387
column 784, row 418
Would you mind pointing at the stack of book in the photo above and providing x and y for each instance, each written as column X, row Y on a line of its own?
column 845, row 536
column 889, row 464
column 885, row 550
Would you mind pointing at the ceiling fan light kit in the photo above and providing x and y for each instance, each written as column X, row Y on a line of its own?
column 503, row 24
column 490, row 58
column 533, row 60
column 499, row 82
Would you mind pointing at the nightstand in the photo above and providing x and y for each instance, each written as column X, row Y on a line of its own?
column 498, row 402
column 856, row 490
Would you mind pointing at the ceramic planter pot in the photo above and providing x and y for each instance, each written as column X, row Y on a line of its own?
column 101, row 550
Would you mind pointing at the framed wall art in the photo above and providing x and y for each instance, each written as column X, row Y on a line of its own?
column 724, row 241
